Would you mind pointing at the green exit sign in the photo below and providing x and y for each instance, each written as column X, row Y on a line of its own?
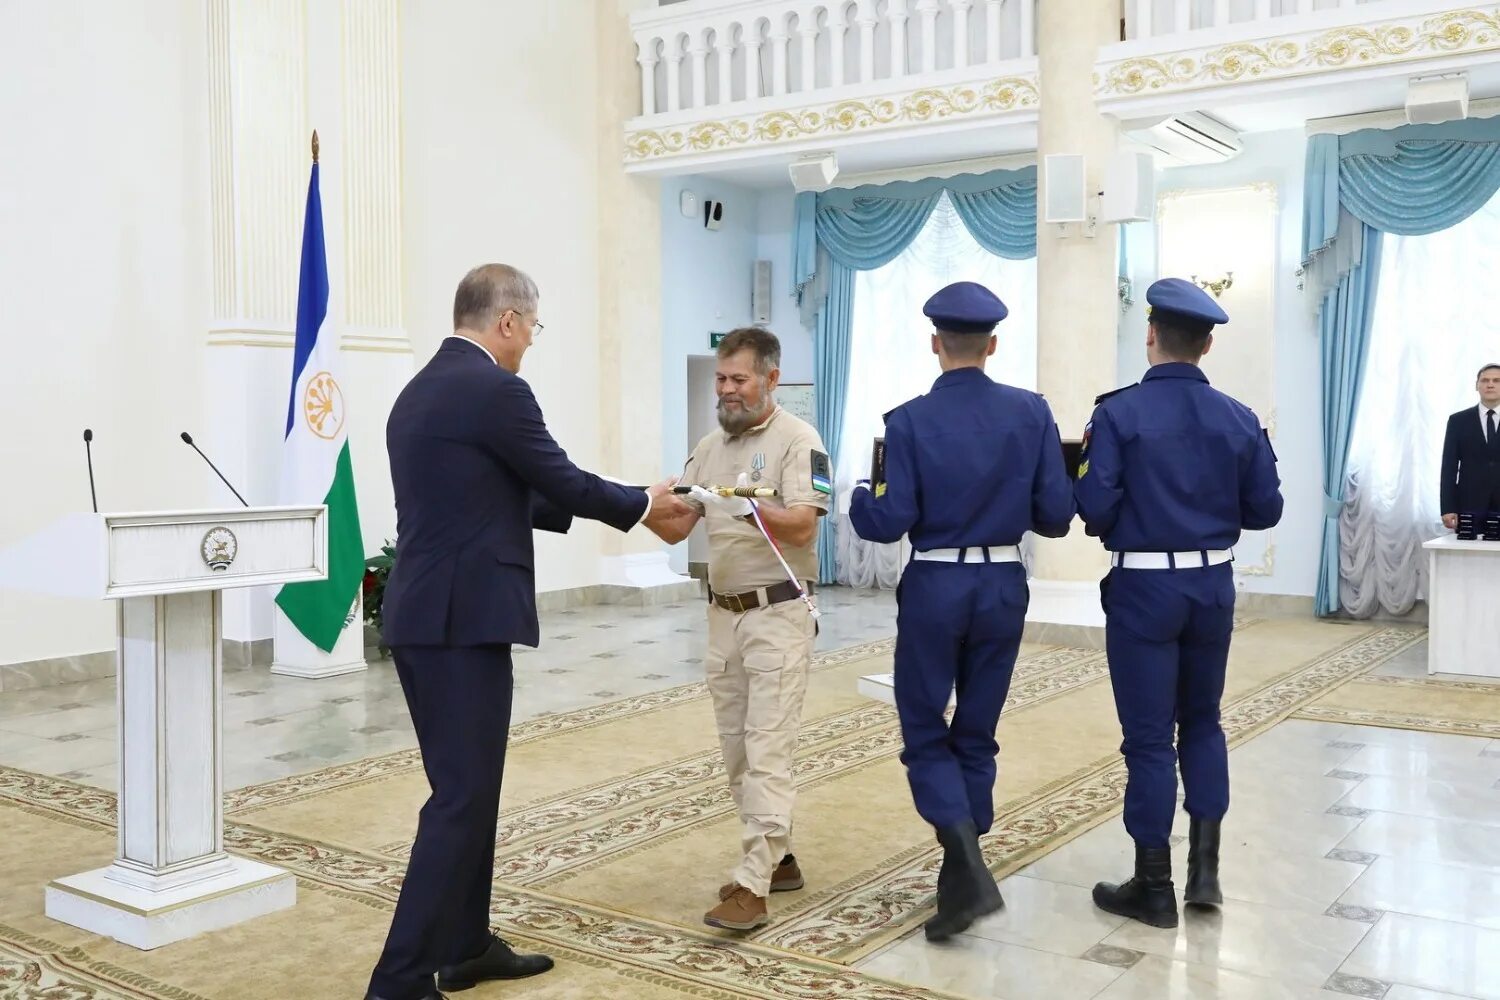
column 715, row 338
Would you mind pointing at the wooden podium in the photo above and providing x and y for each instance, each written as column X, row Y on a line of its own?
column 171, row 878
column 1463, row 595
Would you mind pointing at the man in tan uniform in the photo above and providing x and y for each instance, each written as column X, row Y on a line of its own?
column 760, row 630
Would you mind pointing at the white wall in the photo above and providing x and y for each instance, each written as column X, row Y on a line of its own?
column 500, row 163
column 706, row 287
column 1276, row 158
column 103, row 278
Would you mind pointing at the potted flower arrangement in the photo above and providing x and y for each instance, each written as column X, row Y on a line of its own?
column 377, row 572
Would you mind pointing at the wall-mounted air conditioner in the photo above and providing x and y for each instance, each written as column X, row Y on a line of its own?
column 1186, row 139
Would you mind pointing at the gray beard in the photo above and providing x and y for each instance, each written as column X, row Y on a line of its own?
column 739, row 421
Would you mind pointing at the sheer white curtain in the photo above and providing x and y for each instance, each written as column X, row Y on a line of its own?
column 1434, row 326
column 891, row 359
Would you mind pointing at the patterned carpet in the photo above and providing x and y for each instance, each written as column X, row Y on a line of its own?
column 616, row 829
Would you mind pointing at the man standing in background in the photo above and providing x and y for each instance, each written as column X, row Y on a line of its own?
column 1471, row 454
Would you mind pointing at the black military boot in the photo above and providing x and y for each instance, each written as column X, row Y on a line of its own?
column 1148, row 896
column 966, row 889
column 1203, row 863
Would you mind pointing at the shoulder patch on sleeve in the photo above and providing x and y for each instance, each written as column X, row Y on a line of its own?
column 822, row 476
column 1113, row 392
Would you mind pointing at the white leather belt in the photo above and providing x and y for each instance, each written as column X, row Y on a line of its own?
column 1170, row 560
column 972, row 554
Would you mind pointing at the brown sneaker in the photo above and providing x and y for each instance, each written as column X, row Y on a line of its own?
column 786, row 878
column 742, row 911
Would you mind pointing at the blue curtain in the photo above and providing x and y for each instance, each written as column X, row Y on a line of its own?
column 836, row 233
column 1344, row 329
column 1408, row 181
column 831, row 363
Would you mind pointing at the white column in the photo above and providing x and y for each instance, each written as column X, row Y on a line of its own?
column 724, row 46
column 1221, row 13
column 171, row 878
column 1028, row 28
column 961, row 32
column 630, row 281
column 1077, row 303
column 266, row 97
column 807, row 27
column 750, row 39
column 896, row 12
column 1182, row 16
column 992, row 11
column 837, row 25
column 698, row 49
column 646, row 57
column 780, row 39
column 929, row 9
column 1143, row 12
column 673, row 55
column 867, row 21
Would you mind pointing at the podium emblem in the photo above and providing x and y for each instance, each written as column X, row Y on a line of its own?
column 323, row 406
column 219, row 548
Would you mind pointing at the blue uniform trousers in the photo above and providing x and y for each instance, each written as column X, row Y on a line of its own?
column 1167, row 635
column 460, row 701
column 957, row 625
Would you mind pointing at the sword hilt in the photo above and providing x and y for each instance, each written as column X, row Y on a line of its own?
column 756, row 492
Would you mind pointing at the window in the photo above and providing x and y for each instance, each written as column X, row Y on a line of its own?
column 891, row 359
column 1434, row 326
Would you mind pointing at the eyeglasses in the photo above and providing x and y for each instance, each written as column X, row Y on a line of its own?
column 537, row 326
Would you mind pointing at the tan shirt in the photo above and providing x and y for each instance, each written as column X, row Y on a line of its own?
column 782, row 453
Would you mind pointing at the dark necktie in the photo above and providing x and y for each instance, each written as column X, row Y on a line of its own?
column 1489, row 422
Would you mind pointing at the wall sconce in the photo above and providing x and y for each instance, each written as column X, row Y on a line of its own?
column 1218, row 285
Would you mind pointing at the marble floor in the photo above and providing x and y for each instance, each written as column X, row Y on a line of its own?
column 1357, row 861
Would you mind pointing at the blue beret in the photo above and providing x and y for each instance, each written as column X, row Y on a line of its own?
column 965, row 307
column 1186, row 299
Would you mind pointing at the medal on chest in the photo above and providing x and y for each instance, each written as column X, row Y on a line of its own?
column 756, row 465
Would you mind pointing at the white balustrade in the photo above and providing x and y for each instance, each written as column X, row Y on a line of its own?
column 1158, row 18
column 711, row 53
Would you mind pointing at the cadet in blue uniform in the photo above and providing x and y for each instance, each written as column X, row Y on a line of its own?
column 970, row 468
column 1170, row 473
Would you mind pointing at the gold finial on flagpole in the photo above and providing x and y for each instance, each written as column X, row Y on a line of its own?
column 315, row 145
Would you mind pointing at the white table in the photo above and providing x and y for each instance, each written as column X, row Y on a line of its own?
column 1463, row 607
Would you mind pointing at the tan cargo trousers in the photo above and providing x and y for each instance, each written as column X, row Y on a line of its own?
column 757, row 675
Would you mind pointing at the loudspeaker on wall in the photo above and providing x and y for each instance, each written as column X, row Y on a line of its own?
column 760, row 293
column 1067, row 196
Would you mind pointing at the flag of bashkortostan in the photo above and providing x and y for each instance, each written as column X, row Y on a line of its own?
column 315, row 465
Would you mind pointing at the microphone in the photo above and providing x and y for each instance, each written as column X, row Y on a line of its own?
column 188, row 438
column 88, row 437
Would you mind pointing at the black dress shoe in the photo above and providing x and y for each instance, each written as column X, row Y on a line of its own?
column 497, row 962
column 1148, row 896
column 434, row 995
column 1202, row 888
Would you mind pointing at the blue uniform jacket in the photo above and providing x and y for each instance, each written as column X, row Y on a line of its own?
column 1172, row 464
column 474, row 470
column 971, row 463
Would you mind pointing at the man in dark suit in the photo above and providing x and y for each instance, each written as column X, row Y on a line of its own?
column 1471, row 454
column 474, row 470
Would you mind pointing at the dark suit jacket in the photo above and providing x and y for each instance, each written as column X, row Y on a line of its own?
column 1471, row 468
column 474, row 470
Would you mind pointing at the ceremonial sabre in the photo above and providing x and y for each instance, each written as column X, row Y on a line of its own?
column 732, row 491
column 755, row 513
